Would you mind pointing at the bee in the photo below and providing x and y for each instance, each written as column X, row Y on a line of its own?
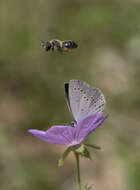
column 63, row 46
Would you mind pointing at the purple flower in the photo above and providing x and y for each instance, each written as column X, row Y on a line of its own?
column 68, row 135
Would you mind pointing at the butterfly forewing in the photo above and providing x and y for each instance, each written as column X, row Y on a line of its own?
column 75, row 96
column 84, row 100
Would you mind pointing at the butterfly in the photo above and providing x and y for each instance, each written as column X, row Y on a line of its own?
column 83, row 100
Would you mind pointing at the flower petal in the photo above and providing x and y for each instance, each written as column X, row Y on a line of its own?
column 58, row 134
column 98, row 122
column 88, row 124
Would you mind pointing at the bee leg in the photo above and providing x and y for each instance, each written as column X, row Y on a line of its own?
column 52, row 48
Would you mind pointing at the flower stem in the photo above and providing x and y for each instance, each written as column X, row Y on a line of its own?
column 78, row 170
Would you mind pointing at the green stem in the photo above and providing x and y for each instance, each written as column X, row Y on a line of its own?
column 78, row 170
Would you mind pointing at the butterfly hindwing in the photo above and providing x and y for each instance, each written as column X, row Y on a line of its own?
column 83, row 100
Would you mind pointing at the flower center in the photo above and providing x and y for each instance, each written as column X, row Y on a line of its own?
column 74, row 143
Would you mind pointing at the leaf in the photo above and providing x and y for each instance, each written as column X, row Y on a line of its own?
column 92, row 146
column 64, row 156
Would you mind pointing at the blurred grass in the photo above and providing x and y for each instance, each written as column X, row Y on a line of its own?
column 32, row 93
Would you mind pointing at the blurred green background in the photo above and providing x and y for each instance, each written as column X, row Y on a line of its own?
column 32, row 91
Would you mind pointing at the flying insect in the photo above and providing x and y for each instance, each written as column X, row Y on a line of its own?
column 58, row 45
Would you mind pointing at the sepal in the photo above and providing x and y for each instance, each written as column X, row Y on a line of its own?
column 83, row 151
column 64, row 156
column 66, row 153
column 92, row 146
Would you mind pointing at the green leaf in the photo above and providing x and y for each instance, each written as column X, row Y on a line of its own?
column 64, row 156
column 92, row 146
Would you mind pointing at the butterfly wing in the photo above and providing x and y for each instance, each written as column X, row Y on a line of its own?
column 66, row 86
column 83, row 100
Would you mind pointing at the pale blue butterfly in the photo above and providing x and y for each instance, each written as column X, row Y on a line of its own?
column 83, row 100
